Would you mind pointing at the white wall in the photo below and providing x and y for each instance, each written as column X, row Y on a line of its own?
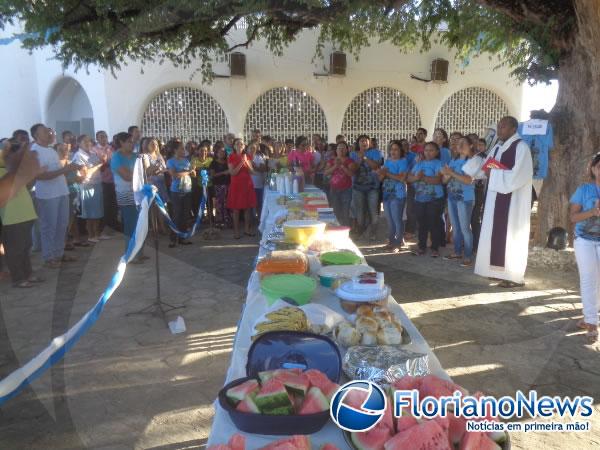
column 18, row 87
column 118, row 103
column 379, row 65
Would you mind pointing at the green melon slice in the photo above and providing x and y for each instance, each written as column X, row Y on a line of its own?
column 272, row 395
column 238, row 393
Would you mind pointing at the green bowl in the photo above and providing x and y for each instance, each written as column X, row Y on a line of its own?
column 340, row 258
column 300, row 288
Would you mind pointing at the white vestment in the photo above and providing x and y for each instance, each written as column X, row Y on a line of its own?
column 517, row 182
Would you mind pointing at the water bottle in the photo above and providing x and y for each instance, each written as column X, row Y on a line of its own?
column 295, row 186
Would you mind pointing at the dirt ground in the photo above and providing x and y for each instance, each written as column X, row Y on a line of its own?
column 130, row 383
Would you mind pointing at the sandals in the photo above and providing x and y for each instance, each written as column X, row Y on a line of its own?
column 23, row 285
column 452, row 256
column 435, row 254
column 33, row 279
column 418, row 252
column 52, row 264
column 466, row 263
column 591, row 331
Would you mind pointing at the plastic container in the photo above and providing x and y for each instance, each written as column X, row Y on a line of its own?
column 285, row 350
column 300, row 288
column 303, row 231
column 340, row 258
column 329, row 274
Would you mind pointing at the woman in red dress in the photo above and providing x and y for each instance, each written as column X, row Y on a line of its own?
column 241, row 195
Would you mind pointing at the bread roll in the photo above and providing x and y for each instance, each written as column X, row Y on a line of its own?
column 348, row 336
column 365, row 310
column 368, row 339
column 366, row 324
column 389, row 336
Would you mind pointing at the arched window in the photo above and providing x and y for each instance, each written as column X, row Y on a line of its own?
column 381, row 112
column 471, row 110
column 285, row 112
column 184, row 112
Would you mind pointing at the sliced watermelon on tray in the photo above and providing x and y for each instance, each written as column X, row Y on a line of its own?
column 298, row 384
column 241, row 391
column 428, row 435
column 247, row 405
column 374, row 439
column 291, row 443
column 314, row 402
column 272, row 395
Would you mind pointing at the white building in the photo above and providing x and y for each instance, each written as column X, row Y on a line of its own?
column 280, row 95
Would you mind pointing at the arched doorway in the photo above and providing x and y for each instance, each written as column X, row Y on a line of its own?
column 69, row 108
column 471, row 110
column 381, row 112
column 184, row 112
column 285, row 113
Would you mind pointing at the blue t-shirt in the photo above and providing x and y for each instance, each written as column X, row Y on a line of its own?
column 123, row 188
column 425, row 192
column 540, row 146
column 183, row 184
column 395, row 188
column 411, row 157
column 365, row 178
column 458, row 191
column 445, row 155
column 587, row 195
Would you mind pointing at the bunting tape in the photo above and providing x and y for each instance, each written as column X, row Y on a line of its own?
column 14, row 383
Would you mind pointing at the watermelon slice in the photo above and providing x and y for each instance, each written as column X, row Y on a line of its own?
column 457, row 428
column 430, row 385
column 497, row 436
column 320, row 380
column 237, row 442
column 219, row 447
column 297, row 384
column 272, row 395
column 405, row 422
column 374, row 439
column 477, row 440
column 239, row 392
column 329, row 447
column 248, row 406
column 280, row 411
column 388, row 416
column 266, row 376
column 428, row 435
column 291, row 443
column 314, row 402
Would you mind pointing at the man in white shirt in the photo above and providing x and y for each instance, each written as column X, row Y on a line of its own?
column 52, row 198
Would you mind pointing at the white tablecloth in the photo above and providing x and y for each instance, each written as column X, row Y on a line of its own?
column 255, row 306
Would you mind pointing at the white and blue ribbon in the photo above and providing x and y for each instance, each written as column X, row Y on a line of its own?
column 13, row 384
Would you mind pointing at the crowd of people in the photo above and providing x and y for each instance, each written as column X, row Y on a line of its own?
column 432, row 191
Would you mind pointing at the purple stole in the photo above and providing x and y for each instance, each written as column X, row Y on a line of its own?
column 501, row 210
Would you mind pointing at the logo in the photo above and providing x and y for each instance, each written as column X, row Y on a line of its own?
column 358, row 406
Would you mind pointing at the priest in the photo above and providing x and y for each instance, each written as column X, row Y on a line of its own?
column 504, row 241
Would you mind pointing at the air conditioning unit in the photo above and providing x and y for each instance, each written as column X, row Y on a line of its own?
column 439, row 70
column 337, row 63
column 237, row 64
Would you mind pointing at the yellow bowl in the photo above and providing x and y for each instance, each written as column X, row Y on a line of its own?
column 303, row 232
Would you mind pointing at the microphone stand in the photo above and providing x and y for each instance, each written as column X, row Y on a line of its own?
column 159, row 307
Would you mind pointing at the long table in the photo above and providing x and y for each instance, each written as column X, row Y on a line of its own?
column 256, row 305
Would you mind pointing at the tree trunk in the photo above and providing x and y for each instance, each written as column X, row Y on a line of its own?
column 576, row 122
